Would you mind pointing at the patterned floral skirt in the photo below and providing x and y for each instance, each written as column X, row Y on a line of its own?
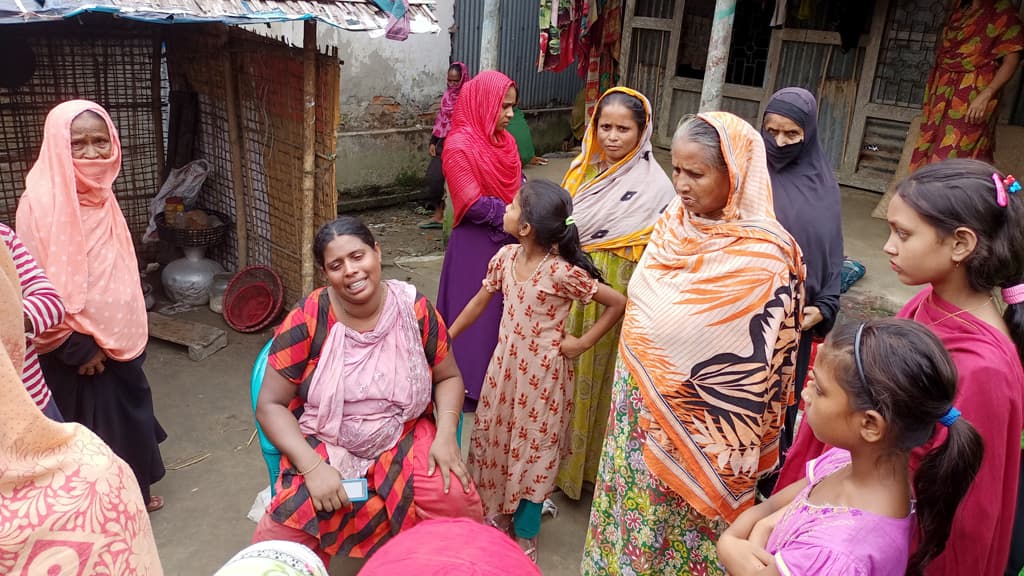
column 637, row 524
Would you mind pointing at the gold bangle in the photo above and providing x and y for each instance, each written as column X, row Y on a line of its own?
column 456, row 412
column 319, row 461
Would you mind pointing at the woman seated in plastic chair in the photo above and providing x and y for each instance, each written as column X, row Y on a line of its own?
column 354, row 375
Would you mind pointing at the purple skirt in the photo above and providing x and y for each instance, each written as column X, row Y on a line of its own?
column 470, row 249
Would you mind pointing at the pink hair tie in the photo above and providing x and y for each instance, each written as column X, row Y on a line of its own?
column 1014, row 294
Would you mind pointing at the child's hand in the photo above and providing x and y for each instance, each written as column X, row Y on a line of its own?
column 741, row 557
column 763, row 529
column 572, row 347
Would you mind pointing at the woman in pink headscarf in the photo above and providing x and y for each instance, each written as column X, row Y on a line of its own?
column 458, row 74
column 70, row 221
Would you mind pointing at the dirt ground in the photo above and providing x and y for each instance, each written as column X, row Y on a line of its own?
column 395, row 228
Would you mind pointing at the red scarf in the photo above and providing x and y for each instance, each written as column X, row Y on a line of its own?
column 477, row 162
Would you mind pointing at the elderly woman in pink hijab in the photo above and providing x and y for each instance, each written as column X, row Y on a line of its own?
column 70, row 221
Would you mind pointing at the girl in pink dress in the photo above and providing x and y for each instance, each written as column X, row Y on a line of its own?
column 522, row 420
column 877, row 391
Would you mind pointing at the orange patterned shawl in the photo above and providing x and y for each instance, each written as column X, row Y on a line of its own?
column 68, row 505
column 711, row 334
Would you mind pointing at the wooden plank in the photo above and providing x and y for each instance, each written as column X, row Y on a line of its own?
column 867, row 81
column 308, row 149
column 158, row 117
column 735, row 91
column 771, row 72
column 202, row 340
column 686, row 84
column 626, row 44
column 740, row 92
column 662, row 24
column 237, row 159
column 889, row 112
column 811, row 36
column 676, row 25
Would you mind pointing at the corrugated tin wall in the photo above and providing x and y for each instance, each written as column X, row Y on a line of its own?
column 519, row 49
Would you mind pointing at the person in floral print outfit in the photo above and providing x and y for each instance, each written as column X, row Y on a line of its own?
column 978, row 54
column 522, row 420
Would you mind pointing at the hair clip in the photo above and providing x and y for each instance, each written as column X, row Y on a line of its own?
column 569, row 221
column 1012, row 186
column 1001, row 198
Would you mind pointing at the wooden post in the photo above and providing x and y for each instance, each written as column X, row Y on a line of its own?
column 158, row 116
column 308, row 149
column 237, row 159
column 718, row 56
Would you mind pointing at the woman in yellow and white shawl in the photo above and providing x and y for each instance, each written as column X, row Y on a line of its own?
column 705, row 368
column 618, row 191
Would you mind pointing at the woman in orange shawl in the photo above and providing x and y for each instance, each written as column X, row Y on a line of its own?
column 705, row 367
column 68, row 505
column 70, row 221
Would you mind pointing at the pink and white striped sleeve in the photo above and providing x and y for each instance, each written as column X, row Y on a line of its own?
column 43, row 305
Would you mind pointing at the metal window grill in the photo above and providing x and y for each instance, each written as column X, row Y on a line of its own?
column 908, row 52
column 655, row 8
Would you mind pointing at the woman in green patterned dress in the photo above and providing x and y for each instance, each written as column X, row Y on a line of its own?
column 618, row 190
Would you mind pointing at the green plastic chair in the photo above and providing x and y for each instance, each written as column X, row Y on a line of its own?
column 271, row 455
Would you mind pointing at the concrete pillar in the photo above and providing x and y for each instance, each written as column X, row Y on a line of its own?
column 718, row 56
column 490, row 35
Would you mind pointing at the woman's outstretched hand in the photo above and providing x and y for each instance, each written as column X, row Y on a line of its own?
column 446, row 456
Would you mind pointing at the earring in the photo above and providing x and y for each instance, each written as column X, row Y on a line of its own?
column 956, row 264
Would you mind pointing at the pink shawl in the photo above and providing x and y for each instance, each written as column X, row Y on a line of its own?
column 368, row 385
column 443, row 120
column 70, row 221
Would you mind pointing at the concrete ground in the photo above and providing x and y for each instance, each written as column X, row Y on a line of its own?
column 205, row 408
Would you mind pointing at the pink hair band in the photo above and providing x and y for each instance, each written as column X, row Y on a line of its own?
column 1014, row 294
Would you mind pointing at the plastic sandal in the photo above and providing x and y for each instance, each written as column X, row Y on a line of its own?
column 529, row 546
column 431, row 225
column 155, row 503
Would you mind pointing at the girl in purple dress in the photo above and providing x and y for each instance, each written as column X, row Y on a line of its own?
column 877, row 391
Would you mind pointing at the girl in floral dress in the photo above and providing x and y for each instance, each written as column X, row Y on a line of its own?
column 522, row 420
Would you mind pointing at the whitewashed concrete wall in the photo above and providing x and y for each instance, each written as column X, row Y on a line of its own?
column 384, row 83
column 389, row 93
